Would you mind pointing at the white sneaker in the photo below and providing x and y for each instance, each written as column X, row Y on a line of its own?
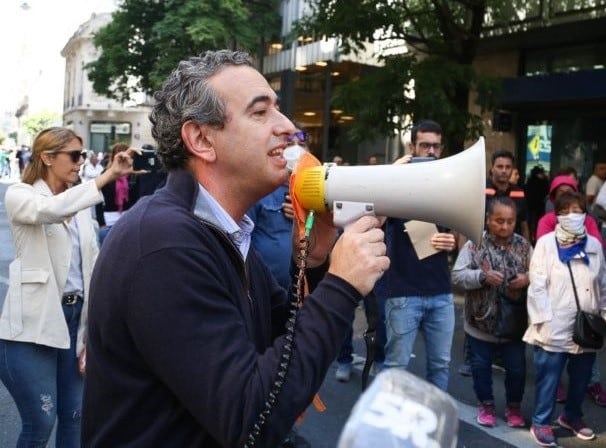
column 344, row 372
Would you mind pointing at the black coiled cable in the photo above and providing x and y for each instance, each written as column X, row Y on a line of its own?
column 299, row 292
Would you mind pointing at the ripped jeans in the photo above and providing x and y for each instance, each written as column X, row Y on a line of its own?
column 46, row 385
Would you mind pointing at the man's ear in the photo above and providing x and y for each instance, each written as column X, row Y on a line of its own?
column 198, row 141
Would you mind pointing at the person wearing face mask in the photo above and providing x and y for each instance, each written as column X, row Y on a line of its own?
column 560, row 185
column 552, row 310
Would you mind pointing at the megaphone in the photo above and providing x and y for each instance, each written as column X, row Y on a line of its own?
column 449, row 192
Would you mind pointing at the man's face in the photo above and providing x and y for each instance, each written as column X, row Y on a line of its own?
column 428, row 144
column 501, row 170
column 250, row 147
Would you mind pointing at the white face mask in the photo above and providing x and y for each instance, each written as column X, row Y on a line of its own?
column 573, row 222
column 292, row 155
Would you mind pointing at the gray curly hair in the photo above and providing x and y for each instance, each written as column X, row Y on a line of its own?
column 186, row 95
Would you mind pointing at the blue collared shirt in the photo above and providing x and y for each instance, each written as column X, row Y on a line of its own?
column 272, row 235
column 239, row 233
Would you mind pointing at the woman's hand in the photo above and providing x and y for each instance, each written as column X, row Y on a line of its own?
column 287, row 208
column 121, row 165
column 123, row 162
column 518, row 282
column 494, row 278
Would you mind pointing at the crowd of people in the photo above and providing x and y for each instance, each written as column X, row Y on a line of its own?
column 13, row 161
column 190, row 325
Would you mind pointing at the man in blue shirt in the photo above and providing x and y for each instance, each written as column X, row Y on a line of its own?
column 272, row 235
column 418, row 293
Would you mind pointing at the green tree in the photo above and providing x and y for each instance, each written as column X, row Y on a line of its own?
column 42, row 120
column 2, row 137
column 146, row 39
column 442, row 39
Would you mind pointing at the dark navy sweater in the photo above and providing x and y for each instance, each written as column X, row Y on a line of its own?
column 185, row 337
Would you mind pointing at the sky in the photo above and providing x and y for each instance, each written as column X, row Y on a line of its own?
column 32, row 35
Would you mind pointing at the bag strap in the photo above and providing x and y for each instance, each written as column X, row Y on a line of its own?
column 574, row 287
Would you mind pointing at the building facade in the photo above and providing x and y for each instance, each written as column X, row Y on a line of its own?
column 550, row 54
column 553, row 104
column 100, row 121
column 305, row 72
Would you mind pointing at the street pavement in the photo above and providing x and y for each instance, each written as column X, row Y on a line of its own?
column 322, row 430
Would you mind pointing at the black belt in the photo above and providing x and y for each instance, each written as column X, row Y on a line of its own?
column 70, row 299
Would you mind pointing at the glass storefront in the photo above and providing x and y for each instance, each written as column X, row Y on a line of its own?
column 559, row 138
column 104, row 134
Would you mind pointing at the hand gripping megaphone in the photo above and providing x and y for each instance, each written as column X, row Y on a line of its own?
column 449, row 192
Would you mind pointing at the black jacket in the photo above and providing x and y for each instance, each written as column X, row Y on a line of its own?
column 185, row 337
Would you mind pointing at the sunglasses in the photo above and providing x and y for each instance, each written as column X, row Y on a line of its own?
column 74, row 155
column 300, row 135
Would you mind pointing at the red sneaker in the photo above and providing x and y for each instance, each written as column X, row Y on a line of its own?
column 578, row 427
column 514, row 417
column 487, row 415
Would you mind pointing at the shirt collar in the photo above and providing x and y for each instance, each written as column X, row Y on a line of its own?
column 209, row 209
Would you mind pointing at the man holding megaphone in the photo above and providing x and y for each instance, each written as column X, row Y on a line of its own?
column 416, row 288
column 191, row 341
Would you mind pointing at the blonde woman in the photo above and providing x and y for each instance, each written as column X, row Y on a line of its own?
column 43, row 320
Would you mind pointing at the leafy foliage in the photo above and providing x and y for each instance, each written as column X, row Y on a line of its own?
column 42, row 120
column 146, row 39
column 443, row 37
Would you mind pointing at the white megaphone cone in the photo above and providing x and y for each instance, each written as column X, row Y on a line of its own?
column 449, row 192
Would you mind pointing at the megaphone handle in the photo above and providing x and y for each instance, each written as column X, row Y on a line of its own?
column 346, row 212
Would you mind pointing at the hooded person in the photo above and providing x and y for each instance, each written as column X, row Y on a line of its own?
column 559, row 185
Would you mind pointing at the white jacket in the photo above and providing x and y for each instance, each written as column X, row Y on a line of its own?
column 551, row 304
column 32, row 309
